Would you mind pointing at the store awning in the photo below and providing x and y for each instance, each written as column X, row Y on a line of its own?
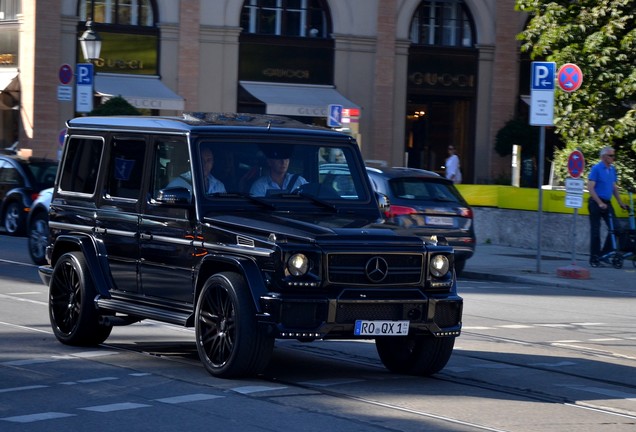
column 297, row 99
column 141, row 91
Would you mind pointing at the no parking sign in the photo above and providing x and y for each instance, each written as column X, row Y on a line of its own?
column 569, row 77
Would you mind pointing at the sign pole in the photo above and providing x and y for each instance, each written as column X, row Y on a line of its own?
column 540, row 183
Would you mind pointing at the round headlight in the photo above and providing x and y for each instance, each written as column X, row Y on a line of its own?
column 298, row 264
column 439, row 265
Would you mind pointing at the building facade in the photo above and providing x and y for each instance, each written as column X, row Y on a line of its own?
column 407, row 78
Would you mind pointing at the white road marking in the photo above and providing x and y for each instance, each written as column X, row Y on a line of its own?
column 188, row 398
column 14, row 389
column 255, row 389
column 330, row 382
column 30, row 418
column 115, row 407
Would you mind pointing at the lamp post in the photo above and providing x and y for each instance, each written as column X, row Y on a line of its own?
column 91, row 44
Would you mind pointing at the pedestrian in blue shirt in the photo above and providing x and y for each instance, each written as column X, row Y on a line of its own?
column 602, row 186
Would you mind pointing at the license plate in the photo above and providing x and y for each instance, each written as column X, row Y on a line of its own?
column 439, row 221
column 381, row 328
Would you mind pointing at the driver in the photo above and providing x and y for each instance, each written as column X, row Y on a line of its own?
column 278, row 179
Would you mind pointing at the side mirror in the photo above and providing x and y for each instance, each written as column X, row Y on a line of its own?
column 383, row 203
column 179, row 196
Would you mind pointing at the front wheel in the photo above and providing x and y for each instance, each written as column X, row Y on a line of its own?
column 414, row 355
column 74, row 318
column 229, row 341
column 38, row 237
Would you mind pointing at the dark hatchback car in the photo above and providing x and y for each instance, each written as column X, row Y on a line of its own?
column 427, row 204
column 21, row 181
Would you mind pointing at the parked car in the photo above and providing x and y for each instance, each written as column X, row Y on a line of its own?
column 427, row 204
column 136, row 234
column 21, row 180
column 38, row 226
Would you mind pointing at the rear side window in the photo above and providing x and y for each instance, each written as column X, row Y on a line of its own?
column 126, row 168
column 81, row 165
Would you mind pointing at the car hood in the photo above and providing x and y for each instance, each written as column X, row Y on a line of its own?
column 307, row 228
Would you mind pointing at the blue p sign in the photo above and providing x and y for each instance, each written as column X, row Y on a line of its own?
column 84, row 74
column 335, row 116
column 543, row 75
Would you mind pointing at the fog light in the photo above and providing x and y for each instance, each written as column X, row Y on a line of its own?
column 298, row 265
column 439, row 265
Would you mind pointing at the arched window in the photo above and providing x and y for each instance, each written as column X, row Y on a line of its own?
column 299, row 18
column 118, row 12
column 442, row 23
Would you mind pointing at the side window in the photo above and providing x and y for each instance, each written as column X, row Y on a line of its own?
column 171, row 165
column 81, row 165
column 126, row 168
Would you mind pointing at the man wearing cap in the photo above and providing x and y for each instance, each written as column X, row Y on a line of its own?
column 278, row 179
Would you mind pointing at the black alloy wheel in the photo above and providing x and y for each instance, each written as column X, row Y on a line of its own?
column 74, row 318
column 229, row 341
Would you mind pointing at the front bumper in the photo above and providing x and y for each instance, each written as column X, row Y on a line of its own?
column 335, row 318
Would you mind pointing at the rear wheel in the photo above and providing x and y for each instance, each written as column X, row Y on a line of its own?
column 414, row 355
column 228, row 338
column 74, row 318
column 14, row 218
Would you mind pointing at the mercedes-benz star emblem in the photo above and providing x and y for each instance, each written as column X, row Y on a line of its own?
column 377, row 269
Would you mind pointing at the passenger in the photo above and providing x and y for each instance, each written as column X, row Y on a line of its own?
column 211, row 184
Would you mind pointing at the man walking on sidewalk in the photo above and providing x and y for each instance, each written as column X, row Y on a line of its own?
column 602, row 185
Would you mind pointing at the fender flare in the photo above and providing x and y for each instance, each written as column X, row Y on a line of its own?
column 95, row 255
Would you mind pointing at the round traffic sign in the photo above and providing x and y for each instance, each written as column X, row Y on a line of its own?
column 576, row 164
column 569, row 77
column 65, row 74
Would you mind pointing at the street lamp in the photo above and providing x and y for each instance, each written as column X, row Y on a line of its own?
column 91, row 43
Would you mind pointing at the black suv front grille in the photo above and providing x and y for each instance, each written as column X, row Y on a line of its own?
column 353, row 268
column 348, row 313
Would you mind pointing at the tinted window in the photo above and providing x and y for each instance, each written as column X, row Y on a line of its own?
column 81, row 165
column 126, row 167
column 44, row 173
column 419, row 189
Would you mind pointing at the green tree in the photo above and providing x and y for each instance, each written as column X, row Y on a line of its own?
column 115, row 106
column 599, row 36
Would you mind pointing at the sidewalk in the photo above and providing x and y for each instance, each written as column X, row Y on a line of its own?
column 519, row 265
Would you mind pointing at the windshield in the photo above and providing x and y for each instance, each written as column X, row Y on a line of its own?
column 268, row 173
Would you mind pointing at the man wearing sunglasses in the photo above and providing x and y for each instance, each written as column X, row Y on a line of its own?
column 602, row 186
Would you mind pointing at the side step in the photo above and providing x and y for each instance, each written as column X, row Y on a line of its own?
column 143, row 311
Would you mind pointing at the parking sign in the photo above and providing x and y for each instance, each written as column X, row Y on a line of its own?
column 335, row 116
column 84, row 88
column 542, row 93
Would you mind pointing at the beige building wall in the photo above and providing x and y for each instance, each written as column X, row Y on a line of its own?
column 199, row 60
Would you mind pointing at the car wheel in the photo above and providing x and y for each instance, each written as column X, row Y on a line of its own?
column 74, row 318
column 414, row 355
column 14, row 218
column 228, row 338
column 38, row 237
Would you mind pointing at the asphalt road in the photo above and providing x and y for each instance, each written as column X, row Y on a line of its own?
column 529, row 359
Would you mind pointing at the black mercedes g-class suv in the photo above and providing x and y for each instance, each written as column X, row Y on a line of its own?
column 249, row 228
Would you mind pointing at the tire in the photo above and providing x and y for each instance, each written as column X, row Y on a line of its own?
column 229, row 341
column 74, row 318
column 38, row 237
column 14, row 219
column 414, row 355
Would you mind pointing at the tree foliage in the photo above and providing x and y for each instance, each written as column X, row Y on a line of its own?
column 115, row 106
column 599, row 36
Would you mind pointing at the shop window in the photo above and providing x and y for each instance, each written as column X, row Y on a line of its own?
column 119, row 12
column 443, row 23
column 297, row 18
